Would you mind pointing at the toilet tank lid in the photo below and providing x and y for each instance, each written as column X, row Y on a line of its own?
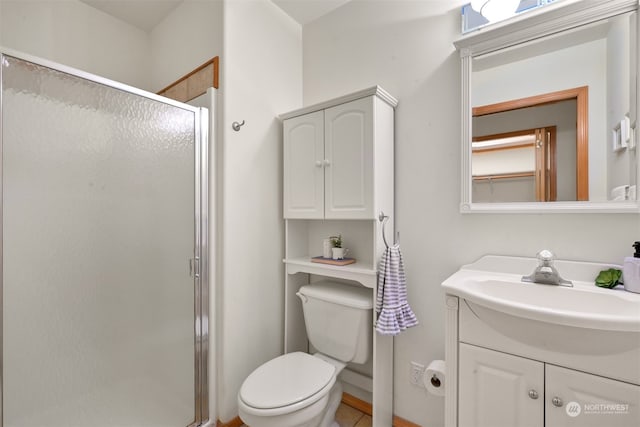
column 340, row 293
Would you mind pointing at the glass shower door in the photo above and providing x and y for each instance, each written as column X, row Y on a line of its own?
column 100, row 220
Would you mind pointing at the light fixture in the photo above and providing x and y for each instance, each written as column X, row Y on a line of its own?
column 495, row 10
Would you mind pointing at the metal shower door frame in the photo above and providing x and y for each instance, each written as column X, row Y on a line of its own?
column 201, row 228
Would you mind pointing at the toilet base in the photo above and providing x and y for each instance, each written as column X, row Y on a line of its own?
column 335, row 397
column 326, row 418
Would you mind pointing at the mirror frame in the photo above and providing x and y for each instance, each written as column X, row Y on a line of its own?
column 545, row 21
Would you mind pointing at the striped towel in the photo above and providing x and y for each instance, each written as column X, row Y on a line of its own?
column 392, row 309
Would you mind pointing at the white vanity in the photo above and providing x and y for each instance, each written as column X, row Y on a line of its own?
column 527, row 354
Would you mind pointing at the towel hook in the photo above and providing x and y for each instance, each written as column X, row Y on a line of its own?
column 236, row 126
column 383, row 219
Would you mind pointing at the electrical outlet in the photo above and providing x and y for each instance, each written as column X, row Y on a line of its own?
column 416, row 373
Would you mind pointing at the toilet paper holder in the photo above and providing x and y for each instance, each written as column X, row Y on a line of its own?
column 434, row 378
column 435, row 381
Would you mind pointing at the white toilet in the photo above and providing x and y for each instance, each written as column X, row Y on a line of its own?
column 301, row 390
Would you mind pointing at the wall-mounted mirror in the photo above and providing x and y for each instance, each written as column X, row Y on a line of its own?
column 549, row 111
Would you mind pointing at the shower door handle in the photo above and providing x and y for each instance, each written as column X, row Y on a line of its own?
column 194, row 267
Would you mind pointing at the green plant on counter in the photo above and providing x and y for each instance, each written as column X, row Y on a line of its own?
column 609, row 278
column 336, row 241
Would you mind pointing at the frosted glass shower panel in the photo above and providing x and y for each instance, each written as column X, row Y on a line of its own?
column 98, row 224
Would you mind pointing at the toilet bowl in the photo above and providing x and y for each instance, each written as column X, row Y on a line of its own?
column 293, row 390
column 302, row 390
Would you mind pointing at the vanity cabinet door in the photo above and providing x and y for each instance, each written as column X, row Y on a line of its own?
column 303, row 177
column 578, row 399
column 349, row 150
column 499, row 390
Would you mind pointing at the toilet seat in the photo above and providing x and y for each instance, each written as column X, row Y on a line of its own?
column 286, row 384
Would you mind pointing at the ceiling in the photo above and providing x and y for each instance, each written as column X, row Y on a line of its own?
column 142, row 14
column 305, row 11
column 149, row 13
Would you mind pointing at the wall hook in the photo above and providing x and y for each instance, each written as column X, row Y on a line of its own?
column 236, row 126
column 383, row 219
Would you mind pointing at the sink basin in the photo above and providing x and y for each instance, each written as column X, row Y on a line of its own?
column 495, row 282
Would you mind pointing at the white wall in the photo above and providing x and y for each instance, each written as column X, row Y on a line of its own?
column 262, row 75
column 406, row 47
column 74, row 34
column 187, row 38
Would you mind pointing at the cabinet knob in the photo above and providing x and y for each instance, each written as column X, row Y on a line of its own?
column 327, row 163
column 557, row 402
column 318, row 163
column 533, row 394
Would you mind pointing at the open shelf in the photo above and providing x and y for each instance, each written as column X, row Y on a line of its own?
column 359, row 272
column 512, row 175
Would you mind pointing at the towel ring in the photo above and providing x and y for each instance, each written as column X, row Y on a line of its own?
column 383, row 219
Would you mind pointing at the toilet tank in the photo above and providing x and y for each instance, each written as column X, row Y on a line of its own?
column 338, row 319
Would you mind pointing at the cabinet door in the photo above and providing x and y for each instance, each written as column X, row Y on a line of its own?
column 587, row 400
column 303, row 193
column 349, row 152
column 499, row 390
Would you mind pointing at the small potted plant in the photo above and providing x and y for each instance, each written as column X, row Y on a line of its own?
column 338, row 251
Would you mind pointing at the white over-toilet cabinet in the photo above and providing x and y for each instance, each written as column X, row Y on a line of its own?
column 329, row 160
column 338, row 177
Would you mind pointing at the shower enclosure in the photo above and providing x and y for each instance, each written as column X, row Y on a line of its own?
column 104, row 280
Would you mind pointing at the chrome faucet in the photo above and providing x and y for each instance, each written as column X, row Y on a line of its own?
column 545, row 273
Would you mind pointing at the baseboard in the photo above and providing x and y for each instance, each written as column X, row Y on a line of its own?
column 359, row 404
column 365, row 407
column 401, row 422
column 236, row 422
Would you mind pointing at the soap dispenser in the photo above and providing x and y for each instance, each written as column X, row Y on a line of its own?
column 631, row 271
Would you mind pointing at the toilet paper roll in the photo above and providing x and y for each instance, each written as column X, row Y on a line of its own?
column 434, row 377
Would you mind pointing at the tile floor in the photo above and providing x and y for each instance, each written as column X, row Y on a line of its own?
column 346, row 416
